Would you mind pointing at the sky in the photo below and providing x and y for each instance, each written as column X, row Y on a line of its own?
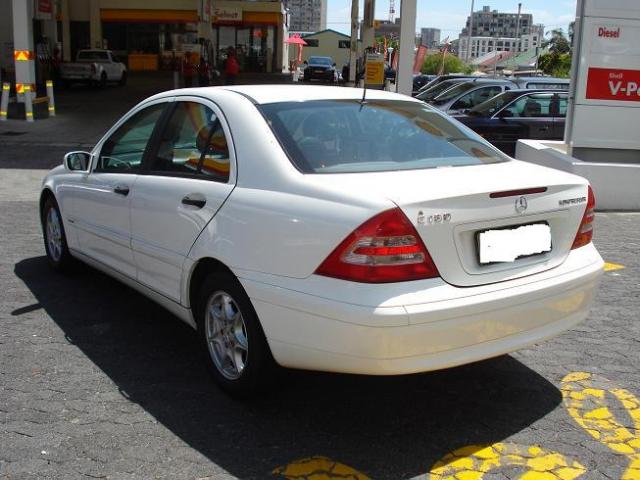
column 450, row 15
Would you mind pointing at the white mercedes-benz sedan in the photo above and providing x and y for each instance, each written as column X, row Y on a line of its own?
column 310, row 228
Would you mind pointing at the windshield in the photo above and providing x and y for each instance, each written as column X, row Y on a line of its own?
column 433, row 92
column 490, row 107
column 320, row 60
column 344, row 136
column 454, row 92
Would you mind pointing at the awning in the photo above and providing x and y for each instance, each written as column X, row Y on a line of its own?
column 148, row 16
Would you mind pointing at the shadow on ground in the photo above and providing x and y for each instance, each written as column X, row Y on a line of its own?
column 387, row 427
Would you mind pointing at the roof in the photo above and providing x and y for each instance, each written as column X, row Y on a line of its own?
column 490, row 58
column 263, row 94
column 307, row 35
column 527, row 58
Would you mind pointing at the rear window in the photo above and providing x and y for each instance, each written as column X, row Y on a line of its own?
column 345, row 136
column 90, row 55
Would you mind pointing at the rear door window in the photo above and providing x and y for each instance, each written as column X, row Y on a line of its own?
column 192, row 142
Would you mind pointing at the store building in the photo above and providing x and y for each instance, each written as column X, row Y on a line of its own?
column 153, row 35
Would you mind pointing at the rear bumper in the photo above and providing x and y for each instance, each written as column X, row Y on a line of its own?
column 430, row 331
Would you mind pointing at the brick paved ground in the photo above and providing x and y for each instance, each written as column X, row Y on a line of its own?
column 96, row 381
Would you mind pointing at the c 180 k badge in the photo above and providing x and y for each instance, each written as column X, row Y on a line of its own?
column 436, row 218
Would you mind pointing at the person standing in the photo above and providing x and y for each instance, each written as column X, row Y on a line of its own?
column 231, row 68
column 188, row 69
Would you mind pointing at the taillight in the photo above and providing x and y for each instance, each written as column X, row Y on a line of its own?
column 384, row 249
column 585, row 232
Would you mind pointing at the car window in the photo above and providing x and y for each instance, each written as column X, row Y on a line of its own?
column 192, row 142
column 550, row 86
column 476, row 97
column 124, row 149
column 562, row 103
column 346, row 136
column 537, row 105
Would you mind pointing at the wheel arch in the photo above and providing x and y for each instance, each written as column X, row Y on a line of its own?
column 45, row 195
column 199, row 272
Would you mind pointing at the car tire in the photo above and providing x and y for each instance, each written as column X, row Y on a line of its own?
column 232, row 340
column 103, row 80
column 55, row 238
column 123, row 79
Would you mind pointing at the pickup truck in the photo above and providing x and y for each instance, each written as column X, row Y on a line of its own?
column 95, row 67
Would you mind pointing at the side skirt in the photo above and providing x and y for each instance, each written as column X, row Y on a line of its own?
column 178, row 310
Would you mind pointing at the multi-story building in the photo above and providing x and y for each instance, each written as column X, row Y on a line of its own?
column 430, row 37
column 307, row 15
column 492, row 30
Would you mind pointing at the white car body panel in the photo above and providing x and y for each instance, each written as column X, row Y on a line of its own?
column 272, row 226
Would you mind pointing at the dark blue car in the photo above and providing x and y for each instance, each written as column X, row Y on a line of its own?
column 519, row 114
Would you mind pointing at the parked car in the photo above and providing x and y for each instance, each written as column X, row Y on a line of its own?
column 320, row 68
column 426, row 95
column 463, row 96
column 419, row 81
column 308, row 228
column 94, row 67
column 442, row 78
column 541, row 82
column 510, row 116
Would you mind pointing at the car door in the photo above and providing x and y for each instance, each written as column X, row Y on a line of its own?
column 475, row 97
column 102, row 199
column 188, row 175
column 527, row 117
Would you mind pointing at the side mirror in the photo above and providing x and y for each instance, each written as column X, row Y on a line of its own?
column 506, row 113
column 334, row 64
column 77, row 161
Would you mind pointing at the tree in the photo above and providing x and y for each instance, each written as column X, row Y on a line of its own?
column 555, row 64
column 558, row 42
column 452, row 64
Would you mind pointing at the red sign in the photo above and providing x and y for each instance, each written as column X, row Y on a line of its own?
column 419, row 60
column 45, row 6
column 608, row 33
column 613, row 84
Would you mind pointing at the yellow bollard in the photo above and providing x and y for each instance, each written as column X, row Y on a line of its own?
column 4, row 101
column 52, row 102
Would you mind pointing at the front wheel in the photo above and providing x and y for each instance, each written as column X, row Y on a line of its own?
column 233, row 342
column 55, row 239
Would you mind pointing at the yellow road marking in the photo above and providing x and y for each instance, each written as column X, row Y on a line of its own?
column 318, row 468
column 610, row 267
column 586, row 400
column 474, row 461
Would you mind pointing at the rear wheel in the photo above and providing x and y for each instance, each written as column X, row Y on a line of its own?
column 55, row 239
column 233, row 342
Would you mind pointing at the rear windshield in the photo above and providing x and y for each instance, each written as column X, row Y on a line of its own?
column 89, row 55
column 453, row 92
column 433, row 92
column 345, row 136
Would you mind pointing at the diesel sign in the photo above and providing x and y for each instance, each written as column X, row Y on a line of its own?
column 608, row 33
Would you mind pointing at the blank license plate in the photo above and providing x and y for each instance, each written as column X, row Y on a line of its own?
column 508, row 244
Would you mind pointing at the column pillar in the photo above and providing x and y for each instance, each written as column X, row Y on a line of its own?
column 24, row 55
column 404, row 76
column 95, row 24
column 66, row 31
column 353, row 57
column 368, row 33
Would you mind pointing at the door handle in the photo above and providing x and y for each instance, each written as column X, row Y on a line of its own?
column 121, row 190
column 194, row 202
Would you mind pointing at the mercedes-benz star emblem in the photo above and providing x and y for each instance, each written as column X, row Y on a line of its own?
column 521, row 205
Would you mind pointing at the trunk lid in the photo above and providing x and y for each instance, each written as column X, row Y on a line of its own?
column 450, row 207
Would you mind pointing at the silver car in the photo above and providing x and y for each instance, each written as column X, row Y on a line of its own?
column 463, row 96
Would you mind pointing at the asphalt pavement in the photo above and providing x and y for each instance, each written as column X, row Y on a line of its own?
column 96, row 381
